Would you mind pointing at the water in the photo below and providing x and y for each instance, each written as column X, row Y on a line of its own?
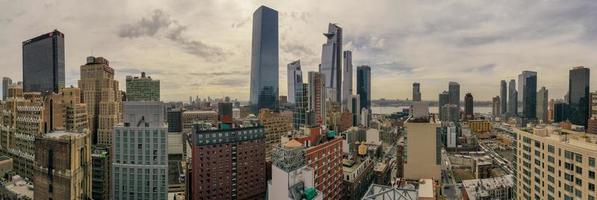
column 432, row 109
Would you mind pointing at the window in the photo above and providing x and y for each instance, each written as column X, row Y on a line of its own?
column 579, row 158
column 578, row 170
column 550, row 149
column 591, row 174
column 592, row 187
column 591, row 162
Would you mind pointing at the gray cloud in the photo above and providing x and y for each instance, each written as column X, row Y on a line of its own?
column 160, row 22
column 298, row 50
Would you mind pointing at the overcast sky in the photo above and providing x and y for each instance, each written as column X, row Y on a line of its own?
column 202, row 47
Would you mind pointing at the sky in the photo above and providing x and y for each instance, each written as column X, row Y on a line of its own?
column 203, row 47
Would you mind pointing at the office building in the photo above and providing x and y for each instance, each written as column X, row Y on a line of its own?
column 578, row 95
column 542, row 98
column 498, row 188
column 527, row 94
column 449, row 113
column 276, row 125
column 364, row 86
column 103, row 98
column 317, row 97
column 142, row 88
column 6, row 82
column 191, row 117
column 553, row 163
column 592, row 125
column 301, row 105
column 228, row 163
column 444, row 99
column 496, row 106
column 264, row 60
column 512, row 98
column 416, row 91
column 291, row 177
column 423, row 147
column 347, row 82
column 454, row 92
column 561, row 111
column 23, row 121
column 295, row 80
column 469, row 113
column 43, row 63
column 356, row 107
column 479, row 126
column 174, row 118
column 140, row 161
column 358, row 175
column 100, row 173
column 331, row 62
column 63, row 166
column 594, row 104
column 503, row 97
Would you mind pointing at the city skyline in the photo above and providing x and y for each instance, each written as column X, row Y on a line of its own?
column 417, row 43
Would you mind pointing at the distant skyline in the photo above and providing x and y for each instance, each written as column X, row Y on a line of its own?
column 203, row 48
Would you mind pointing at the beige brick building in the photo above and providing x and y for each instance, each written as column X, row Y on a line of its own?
column 63, row 166
column 422, row 149
column 553, row 163
column 103, row 98
column 276, row 125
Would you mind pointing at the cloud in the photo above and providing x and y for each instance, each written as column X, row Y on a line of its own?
column 297, row 50
column 161, row 25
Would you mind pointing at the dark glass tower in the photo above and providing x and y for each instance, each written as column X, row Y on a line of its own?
column 43, row 63
column 579, row 96
column 454, row 91
column 529, row 95
column 264, row 60
column 364, row 86
column 512, row 98
column 468, row 107
column 503, row 97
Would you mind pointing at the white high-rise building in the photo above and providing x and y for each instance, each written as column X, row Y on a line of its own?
column 140, row 162
column 295, row 79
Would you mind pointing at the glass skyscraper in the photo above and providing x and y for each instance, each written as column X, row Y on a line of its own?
column 454, row 91
column 528, row 92
column 503, row 97
column 512, row 98
column 347, row 82
column 43, row 63
column 579, row 95
column 331, row 60
column 295, row 79
column 364, row 86
column 264, row 60
column 142, row 88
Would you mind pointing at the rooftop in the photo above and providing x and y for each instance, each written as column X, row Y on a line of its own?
column 382, row 192
column 20, row 187
column 563, row 136
column 479, row 188
column 61, row 134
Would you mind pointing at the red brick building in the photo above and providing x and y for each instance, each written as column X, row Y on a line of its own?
column 326, row 160
column 228, row 164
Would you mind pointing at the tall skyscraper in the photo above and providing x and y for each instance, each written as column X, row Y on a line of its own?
column 63, row 166
column 528, row 91
column 496, row 106
column 228, row 163
column 579, row 95
column 6, row 82
column 454, row 90
column 469, row 113
column 301, row 105
column 512, row 98
column 43, row 63
column 142, row 88
column 331, row 62
column 503, row 97
column 444, row 99
column 140, row 162
column 347, row 82
column 264, row 60
column 295, row 79
column 103, row 98
column 317, row 96
column 542, row 100
column 364, row 86
column 356, row 107
column 416, row 92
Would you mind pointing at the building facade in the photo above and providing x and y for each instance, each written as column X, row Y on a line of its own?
column 264, row 60
column 454, row 93
column 142, row 88
column 527, row 93
column 331, row 62
column 317, row 97
column 512, row 98
column 140, row 159
column 422, row 149
column 469, row 113
column 579, row 95
column 347, row 91
column 63, row 166
column 364, row 86
column 228, row 163
column 295, row 80
column 416, row 91
column 100, row 173
column 503, row 97
column 43, row 63
column 542, row 101
column 6, row 82
column 276, row 125
column 103, row 98
column 326, row 160
column 553, row 163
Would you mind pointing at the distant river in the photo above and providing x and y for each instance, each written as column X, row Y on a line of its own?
column 432, row 109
